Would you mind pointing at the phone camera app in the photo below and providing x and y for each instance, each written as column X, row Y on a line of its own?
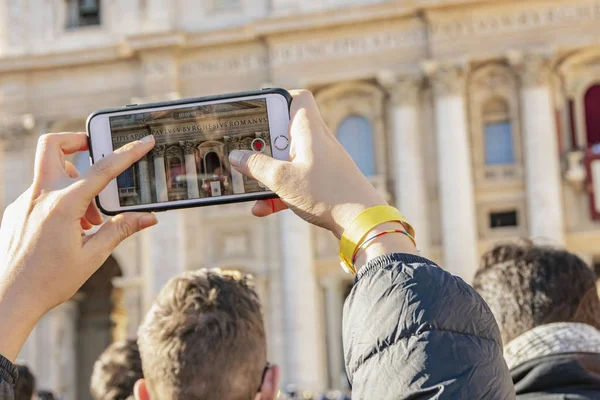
column 191, row 157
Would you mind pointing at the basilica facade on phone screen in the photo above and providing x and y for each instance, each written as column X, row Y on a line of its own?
column 477, row 119
column 191, row 157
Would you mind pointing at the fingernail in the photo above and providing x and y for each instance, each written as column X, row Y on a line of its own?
column 147, row 221
column 235, row 157
column 147, row 139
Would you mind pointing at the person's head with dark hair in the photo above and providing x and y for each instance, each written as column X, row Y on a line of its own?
column 528, row 285
column 116, row 371
column 204, row 338
column 45, row 395
column 25, row 384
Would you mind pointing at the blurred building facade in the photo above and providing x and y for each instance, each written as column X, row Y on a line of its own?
column 476, row 118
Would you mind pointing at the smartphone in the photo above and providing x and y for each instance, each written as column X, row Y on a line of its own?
column 189, row 164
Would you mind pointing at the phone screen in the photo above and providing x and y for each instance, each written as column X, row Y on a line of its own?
column 191, row 157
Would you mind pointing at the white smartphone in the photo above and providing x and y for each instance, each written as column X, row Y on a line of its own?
column 189, row 165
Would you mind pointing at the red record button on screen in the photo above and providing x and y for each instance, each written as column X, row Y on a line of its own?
column 258, row 145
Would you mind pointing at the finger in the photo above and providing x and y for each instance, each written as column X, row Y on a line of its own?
column 85, row 225
column 71, row 170
column 263, row 208
column 305, row 121
column 101, row 244
column 95, row 179
column 259, row 166
column 93, row 215
column 51, row 149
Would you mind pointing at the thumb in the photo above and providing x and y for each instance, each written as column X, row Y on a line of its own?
column 259, row 166
column 114, row 231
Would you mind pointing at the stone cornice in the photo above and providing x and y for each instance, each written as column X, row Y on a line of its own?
column 61, row 59
column 156, row 40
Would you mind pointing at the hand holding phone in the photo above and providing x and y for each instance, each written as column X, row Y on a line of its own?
column 321, row 183
column 44, row 256
column 189, row 165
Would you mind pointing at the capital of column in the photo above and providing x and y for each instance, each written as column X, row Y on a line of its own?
column 534, row 68
column 403, row 89
column 447, row 78
column 159, row 150
column 188, row 147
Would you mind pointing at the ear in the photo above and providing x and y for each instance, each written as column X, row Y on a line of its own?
column 270, row 386
column 140, row 391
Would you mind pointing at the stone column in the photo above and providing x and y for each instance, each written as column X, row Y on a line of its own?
column 411, row 187
column 64, row 344
column 160, row 175
column 305, row 353
column 131, row 288
column 189, row 149
column 144, row 181
column 334, row 305
column 542, row 169
column 459, row 234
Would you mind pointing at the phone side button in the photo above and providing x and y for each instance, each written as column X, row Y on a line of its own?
column 131, row 105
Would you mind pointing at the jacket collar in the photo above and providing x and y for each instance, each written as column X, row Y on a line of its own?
column 550, row 339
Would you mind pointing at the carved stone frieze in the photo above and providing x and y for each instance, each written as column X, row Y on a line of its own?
column 534, row 68
column 448, row 78
column 494, row 81
column 515, row 19
column 189, row 147
column 403, row 89
column 159, row 151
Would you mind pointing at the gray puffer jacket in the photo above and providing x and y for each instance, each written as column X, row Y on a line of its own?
column 414, row 331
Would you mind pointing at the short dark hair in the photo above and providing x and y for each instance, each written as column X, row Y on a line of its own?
column 204, row 338
column 25, row 384
column 528, row 285
column 116, row 371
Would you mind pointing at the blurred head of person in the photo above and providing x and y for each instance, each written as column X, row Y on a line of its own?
column 116, row 371
column 45, row 395
column 204, row 338
column 527, row 285
column 25, row 384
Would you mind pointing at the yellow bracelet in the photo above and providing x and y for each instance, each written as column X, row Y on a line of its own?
column 362, row 224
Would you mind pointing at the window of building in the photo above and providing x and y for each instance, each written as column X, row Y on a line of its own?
column 499, row 146
column 356, row 135
column 176, row 173
column 83, row 13
column 126, row 181
column 592, row 114
column 499, row 143
column 503, row 219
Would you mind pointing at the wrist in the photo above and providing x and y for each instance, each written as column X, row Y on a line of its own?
column 343, row 216
column 385, row 244
column 18, row 316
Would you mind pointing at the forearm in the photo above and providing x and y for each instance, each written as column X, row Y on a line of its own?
column 17, row 320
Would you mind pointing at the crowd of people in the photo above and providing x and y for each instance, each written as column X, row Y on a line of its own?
column 527, row 329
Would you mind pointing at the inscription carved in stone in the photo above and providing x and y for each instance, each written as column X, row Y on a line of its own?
column 516, row 20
